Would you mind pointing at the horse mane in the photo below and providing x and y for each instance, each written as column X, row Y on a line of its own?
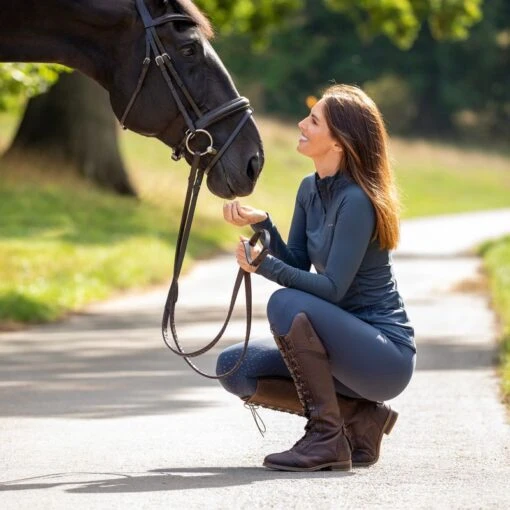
column 189, row 8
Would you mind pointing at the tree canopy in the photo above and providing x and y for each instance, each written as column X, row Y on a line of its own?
column 399, row 20
column 436, row 87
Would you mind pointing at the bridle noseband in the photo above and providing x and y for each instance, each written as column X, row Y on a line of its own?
column 196, row 129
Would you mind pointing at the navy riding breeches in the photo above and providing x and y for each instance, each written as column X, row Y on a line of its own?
column 364, row 362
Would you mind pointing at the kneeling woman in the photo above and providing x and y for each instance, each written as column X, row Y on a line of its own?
column 343, row 339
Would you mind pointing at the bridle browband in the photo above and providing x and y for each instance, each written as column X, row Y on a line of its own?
column 195, row 129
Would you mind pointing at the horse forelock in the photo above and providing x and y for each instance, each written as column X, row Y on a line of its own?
column 203, row 23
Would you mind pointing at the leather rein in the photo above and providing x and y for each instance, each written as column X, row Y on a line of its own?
column 196, row 130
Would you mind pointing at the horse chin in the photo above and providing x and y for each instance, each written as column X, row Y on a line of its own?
column 219, row 186
column 223, row 185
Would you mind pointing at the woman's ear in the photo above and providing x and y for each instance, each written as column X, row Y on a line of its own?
column 338, row 148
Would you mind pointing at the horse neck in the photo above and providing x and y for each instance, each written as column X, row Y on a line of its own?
column 80, row 34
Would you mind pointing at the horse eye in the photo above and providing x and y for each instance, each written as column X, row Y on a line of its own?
column 188, row 51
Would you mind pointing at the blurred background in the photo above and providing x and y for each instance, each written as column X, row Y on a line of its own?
column 87, row 210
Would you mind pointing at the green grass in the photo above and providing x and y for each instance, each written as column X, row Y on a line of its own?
column 63, row 246
column 64, row 243
column 497, row 262
column 442, row 179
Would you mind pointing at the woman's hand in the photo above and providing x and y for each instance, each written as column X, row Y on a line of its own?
column 242, row 215
column 241, row 255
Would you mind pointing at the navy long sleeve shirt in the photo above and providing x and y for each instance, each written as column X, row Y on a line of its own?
column 332, row 229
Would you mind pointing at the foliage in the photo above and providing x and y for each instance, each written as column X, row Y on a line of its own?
column 452, row 86
column 497, row 262
column 400, row 20
column 18, row 82
column 246, row 16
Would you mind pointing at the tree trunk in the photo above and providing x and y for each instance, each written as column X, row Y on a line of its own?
column 73, row 124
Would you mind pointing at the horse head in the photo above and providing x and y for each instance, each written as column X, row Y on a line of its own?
column 154, row 111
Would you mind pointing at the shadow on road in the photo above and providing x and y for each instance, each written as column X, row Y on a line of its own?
column 85, row 377
column 99, row 382
column 166, row 479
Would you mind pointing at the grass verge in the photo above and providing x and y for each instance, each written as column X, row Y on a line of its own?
column 497, row 262
column 64, row 243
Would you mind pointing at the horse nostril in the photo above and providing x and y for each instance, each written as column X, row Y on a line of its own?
column 254, row 168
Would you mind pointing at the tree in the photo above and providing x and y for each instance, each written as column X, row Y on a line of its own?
column 435, row 88
column 73, row 124
column 401, row 20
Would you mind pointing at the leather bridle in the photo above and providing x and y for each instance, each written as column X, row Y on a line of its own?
column 196, row 129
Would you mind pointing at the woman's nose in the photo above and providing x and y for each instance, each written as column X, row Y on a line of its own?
column 301, row 124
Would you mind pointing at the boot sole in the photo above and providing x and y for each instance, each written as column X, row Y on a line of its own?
column 329, row 466
column 387, row 428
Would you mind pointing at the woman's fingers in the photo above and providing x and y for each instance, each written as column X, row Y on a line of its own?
column 229, row 213
column 240, row 252
column 243, row 211
column 233, row 213
column 241, row 255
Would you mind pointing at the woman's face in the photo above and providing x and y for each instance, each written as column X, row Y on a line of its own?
column 316, row 141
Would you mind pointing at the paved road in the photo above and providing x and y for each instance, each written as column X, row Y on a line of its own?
column 94, row 413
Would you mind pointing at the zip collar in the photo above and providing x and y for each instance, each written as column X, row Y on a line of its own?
column 328, row 185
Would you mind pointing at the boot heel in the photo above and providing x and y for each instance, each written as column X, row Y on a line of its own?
column 342, row 466
column 390, row 421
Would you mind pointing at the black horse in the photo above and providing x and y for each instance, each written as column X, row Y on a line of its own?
column 106, row 40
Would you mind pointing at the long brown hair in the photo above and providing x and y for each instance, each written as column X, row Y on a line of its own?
column 356, row 123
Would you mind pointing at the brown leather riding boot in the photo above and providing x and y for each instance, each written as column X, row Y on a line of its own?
column 365, row 421
column 278, row 394
column 324, row 445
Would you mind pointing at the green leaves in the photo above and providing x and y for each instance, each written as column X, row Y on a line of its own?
column 401, row 20
column 247, row 16
column 21, row 81
column 452, row 19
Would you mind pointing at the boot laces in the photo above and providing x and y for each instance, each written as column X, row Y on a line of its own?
column 309, row 431
column 256, row 417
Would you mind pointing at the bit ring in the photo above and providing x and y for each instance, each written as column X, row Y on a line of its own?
column 192, row 134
